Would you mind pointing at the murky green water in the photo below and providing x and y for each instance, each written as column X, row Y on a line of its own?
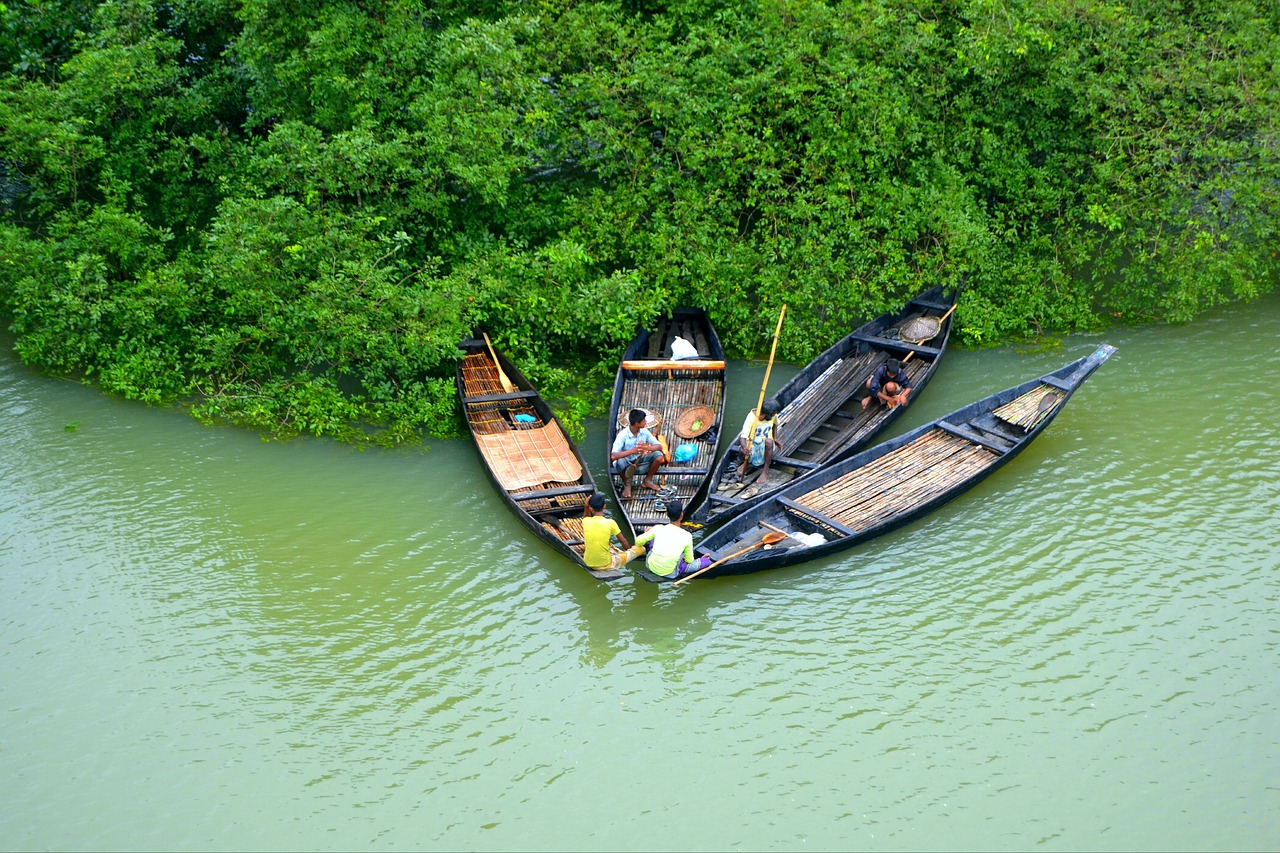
column 211, row 642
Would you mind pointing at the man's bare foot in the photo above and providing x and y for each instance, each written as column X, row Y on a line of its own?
column 626, row 493
column 764, row 478
column 651, row 486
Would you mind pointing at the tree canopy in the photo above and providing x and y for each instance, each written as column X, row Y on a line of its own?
column 286, row 214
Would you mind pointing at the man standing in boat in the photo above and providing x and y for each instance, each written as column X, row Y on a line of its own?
column 597, row 533
column 888, row 384
column 636, row 451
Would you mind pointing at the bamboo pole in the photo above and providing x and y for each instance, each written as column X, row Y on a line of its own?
column 772, row 350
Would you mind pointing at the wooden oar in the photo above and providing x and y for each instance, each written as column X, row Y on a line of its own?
column 769, row 539
column 502, row 377
column 1047, row 402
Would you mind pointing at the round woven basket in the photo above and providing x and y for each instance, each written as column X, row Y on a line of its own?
column 652, row 420
column 917, row 330
column 694, row 421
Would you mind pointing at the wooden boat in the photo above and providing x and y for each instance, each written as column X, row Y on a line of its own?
column 894, row 483
column 822, row 419
column 539, row 472
column 684, row 399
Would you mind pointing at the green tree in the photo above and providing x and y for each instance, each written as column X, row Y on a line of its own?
column 286, row 214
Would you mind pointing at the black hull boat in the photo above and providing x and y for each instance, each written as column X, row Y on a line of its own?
column 683, row 399
column 894, row 483
column 822, row 419
column 537, row 470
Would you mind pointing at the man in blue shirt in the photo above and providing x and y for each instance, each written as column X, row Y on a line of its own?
column 635, row 450
column 888, row 384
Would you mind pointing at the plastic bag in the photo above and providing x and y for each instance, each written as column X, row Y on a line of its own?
column 680, row 348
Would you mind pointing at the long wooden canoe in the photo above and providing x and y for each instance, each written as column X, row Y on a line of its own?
column 897, row 482
column 651, row 379
column 537, row 470
column 822, row 419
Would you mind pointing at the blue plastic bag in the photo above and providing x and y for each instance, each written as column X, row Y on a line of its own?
column 686, row 452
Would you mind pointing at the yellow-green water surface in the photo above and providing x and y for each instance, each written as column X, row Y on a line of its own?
column 212, row 642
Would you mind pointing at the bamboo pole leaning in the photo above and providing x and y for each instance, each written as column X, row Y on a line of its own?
column 772, row 350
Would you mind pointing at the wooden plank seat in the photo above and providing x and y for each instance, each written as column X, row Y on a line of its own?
column 813, row 514
column 895, row 343
column 672, row 364
column 552, row 493
column 963, row 431
column 501, row 398
column 795, row 463
column 936, row 306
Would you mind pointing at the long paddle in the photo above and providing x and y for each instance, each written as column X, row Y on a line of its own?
column 502, row 377
column 769, row 539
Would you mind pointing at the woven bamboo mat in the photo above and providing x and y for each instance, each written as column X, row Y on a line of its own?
column 530, row 457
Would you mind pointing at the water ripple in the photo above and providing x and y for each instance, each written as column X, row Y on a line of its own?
column 213, row 641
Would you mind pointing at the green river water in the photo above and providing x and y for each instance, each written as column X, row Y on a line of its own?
column 208, row 641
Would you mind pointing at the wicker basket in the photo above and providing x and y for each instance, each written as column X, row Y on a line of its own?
column 918, row 329
column 694, row 421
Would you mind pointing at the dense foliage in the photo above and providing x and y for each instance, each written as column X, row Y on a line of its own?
column 287, row 213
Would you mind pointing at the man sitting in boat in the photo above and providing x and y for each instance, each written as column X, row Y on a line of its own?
column 598, row 533
column 759, row 440
column 889, row 384
column 636, row 451
column 671, row 555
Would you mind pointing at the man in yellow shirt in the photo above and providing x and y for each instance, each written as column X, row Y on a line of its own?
column 598, row 532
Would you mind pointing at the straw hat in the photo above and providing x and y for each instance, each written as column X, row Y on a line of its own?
column 694, row 421
column 652, row 420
